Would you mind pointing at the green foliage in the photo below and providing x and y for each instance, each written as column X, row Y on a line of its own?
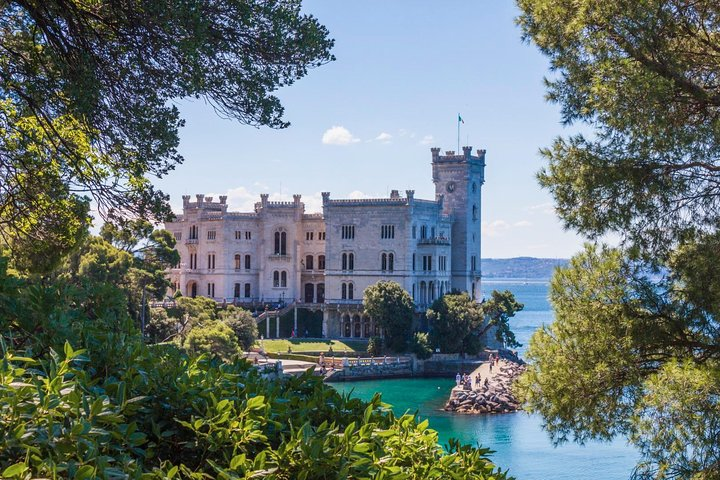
column 86, row 100
column 375, row 346
column 596, row 371
column 454, row 318
column 220, row 420
column 195, row 308
column 420, row 346
column 213, row 337
column 498, row 310
column 392, row 307
column 161, row 327
column 242, row 323
column 642, row 76
column 458, row 322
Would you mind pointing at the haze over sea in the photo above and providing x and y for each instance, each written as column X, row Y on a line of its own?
column 519, row 442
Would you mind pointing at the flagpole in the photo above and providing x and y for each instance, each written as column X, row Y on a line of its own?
column 458, row 137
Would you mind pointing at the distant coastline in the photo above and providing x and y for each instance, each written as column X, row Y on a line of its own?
column 521, row 267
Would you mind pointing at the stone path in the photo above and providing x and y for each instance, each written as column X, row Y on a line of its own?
column 496, row 397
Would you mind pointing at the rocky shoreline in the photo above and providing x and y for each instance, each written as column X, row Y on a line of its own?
column 494, row 397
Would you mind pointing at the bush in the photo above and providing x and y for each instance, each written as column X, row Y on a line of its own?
column 161, row 327
column 168, row 415
column 213, row 337
column 375, row 346
column 243, row 324
column 420, row 346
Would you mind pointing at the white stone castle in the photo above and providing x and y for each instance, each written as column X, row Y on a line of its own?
column 278, row 254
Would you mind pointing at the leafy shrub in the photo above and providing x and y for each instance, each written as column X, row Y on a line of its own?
column 213, row 337
column 120, row 409
column 375, row 346
column 242, row 323
column 420, row 346
column 168, row 415
column 161, row 327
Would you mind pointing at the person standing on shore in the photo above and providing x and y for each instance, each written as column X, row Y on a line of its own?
column 458, row 379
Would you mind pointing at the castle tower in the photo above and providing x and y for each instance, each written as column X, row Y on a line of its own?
column 458, row 178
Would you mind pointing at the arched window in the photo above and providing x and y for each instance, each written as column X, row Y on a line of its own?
column 351, row 261
column 344, row 261
column 350, row 291
column 283, row 243
column 343, row 291
column 423, row 232
column 247, row 262
column 238, row 263
column 193, row 232
column 276, row 278
column 383, row 261
column 309, row 262
column 247, row 290
column 283, row 279
column 277, row 243
column 236, row 291
column 321, row 262
column 391, row 262
column 475, row 210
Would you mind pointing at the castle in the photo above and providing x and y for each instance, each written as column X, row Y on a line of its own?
column 324, row 261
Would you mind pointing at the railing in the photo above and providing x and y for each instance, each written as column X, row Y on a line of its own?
column 434, row 241
column 274, row 313
column 346, row 362
column 191, row 241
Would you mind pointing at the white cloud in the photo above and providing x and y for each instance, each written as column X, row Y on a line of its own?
column 427, row 140
column 384, row 137
column 546, row 208
column 358, row 195
column 495, row 228
column 522, row 223
column 338, row 135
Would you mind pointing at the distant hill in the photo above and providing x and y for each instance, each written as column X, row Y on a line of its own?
column 520, row 267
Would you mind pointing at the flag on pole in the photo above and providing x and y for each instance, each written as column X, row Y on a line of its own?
column 460, row 119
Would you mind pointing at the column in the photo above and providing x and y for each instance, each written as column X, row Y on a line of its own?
column 295, row 319
column 267, row 325
column 277, row 326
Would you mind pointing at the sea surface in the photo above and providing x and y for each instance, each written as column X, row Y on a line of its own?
column 520, row 444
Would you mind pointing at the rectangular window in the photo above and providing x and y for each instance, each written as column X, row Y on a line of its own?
column 247, row 262
column 211, row 290
column 211, row 261
column 309, row 236
column 321, row 262
column 178, row 236
column 442, row 263
column 348, row 232
column 427, row 263
column 247, row 290
column 473, row 263
column 413, row 265
column 321, row 235
column 193, row 261
column 414, row 232
column 248, row 235
column 211, row 235
column 387, row 231
column 238, row 235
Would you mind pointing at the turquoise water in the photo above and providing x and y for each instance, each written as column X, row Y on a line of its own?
column 519, row 442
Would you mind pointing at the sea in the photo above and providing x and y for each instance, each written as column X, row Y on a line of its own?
column 518, row 440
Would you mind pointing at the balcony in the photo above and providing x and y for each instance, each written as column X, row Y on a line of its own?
column 434, row 241
column 191, row 241
column 280, row 257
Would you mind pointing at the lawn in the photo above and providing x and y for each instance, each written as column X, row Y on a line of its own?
column 299, row 345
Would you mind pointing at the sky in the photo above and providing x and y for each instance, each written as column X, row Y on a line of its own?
column 364, row 124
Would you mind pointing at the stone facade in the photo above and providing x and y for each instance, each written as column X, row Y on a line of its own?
column 279, row 253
